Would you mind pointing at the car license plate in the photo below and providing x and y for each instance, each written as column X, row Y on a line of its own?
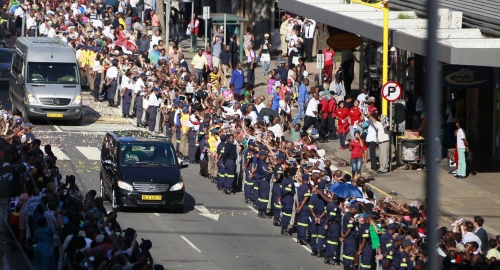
column 55, row 115
column 151, row 197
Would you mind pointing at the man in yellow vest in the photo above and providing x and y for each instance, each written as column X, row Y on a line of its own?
column 186, row 127
column 212, row 155
column 90, row 64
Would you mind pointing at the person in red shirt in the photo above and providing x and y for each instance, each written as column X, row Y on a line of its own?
column 342, row 114
column 371, row 106
column 356, row 147
column 354, row 117
column 332, row 106
column 329, row 62
column 324, row 109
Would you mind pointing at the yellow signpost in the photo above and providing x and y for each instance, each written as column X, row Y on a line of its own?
column 384, row 6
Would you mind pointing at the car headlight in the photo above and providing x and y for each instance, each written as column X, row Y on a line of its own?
column 77, row 100
column 125, row 186
column 31, row 99
column 177, row 186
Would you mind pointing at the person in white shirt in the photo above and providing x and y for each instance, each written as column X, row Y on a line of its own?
column 362, row 98
column 52, row 32
column 311, row 118
column 309, row 28
column 139, row 93
column 44, row 28
column 31, row 24
column 20, row 11
column 276, row 128
column 152, row 108
column 462, row 147
column 371, row 141
column 111, row 83
column 293, row 41
column 97, row 76
column 126, row 93
column 383, row 144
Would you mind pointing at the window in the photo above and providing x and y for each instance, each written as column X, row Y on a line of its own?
column 109, row 147
column 17, row 66
column 52, row 73
column 147, row 154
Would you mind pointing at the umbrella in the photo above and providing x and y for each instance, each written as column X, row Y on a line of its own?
column 344, row 190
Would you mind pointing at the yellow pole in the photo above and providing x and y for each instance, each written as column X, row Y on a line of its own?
column 385, row 54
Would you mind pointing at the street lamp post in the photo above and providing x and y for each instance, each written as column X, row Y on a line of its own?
column 384, row 6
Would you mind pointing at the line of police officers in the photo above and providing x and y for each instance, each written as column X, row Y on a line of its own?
column 337, row 231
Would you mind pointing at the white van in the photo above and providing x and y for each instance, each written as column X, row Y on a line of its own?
column 44, row 80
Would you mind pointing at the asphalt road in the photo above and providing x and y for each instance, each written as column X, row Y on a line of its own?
column 230, row 237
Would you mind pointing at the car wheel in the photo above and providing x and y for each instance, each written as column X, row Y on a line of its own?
column 179, row 209
column 78, row 122
column 114, row 201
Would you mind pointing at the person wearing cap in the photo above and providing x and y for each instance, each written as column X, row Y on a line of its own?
column 391, row 258
column 277, row 178
column 348, row 236
column 229, row 164
column 249, row 160
column 262, row 174
column 203, row 131
column 221, row 170
column 405, row 259
column 265, row 56
column 317, row 207
column 365, row 248
column 303, row 195
column 333, row 219
column 287, row 198
column 386, row 238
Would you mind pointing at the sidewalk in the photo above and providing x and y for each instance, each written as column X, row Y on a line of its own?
column 459, row 198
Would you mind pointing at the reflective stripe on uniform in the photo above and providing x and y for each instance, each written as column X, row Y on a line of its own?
column 403, row 265
column 348, row 257
column 288, row 215
column 333, row 214
column 365, row 235
column 248, row 183
column 314, row 235
column 178, row 141
column 311, row 206
column 365, row 265
column 222, row 174
column 349, row 225
column 332, row 242
column 263, row 200
column 321, row 236
column 256, row 187
column 229, row 175
column 278, row 205
column 302, row 224
column 288, row 189
column 388, row 245
column 307, row 194
column 389, row 257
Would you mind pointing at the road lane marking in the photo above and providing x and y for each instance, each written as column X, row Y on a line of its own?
column 305, row 247
column 191, row 244
column 59, row 153
column 156, row 214
column 251, row 208
column 91, row 153
column 58, row 128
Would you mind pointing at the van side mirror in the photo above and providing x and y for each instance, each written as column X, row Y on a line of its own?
column 108, row 162
column 20, row 79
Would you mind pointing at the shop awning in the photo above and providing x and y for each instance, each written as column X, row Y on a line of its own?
column 407, row 31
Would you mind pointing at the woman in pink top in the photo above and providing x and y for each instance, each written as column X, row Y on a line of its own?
column 229, row 94
column 271, row 81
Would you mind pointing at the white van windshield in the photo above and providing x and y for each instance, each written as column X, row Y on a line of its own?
column 52, row 73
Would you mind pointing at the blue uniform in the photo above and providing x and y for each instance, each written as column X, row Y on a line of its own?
column 278, row 175
column 287, row 194
column 255, row 194
column 318, row 232
column 405, row 262
column 368, row 253
column 303, row 193
column 263, row 177
column 248, row 188
column 392, row 255
column 222, row 171
column 349, row 241
column 177, row 130
column 333, row 217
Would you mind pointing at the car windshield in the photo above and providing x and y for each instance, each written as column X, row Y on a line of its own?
column 5, row 56
column 52, row 73
column 144, row 154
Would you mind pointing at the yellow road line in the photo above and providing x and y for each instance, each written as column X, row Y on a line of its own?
column 373, row 187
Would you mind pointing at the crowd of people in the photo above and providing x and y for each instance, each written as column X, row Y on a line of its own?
column 54, row 221
column 209, row 108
